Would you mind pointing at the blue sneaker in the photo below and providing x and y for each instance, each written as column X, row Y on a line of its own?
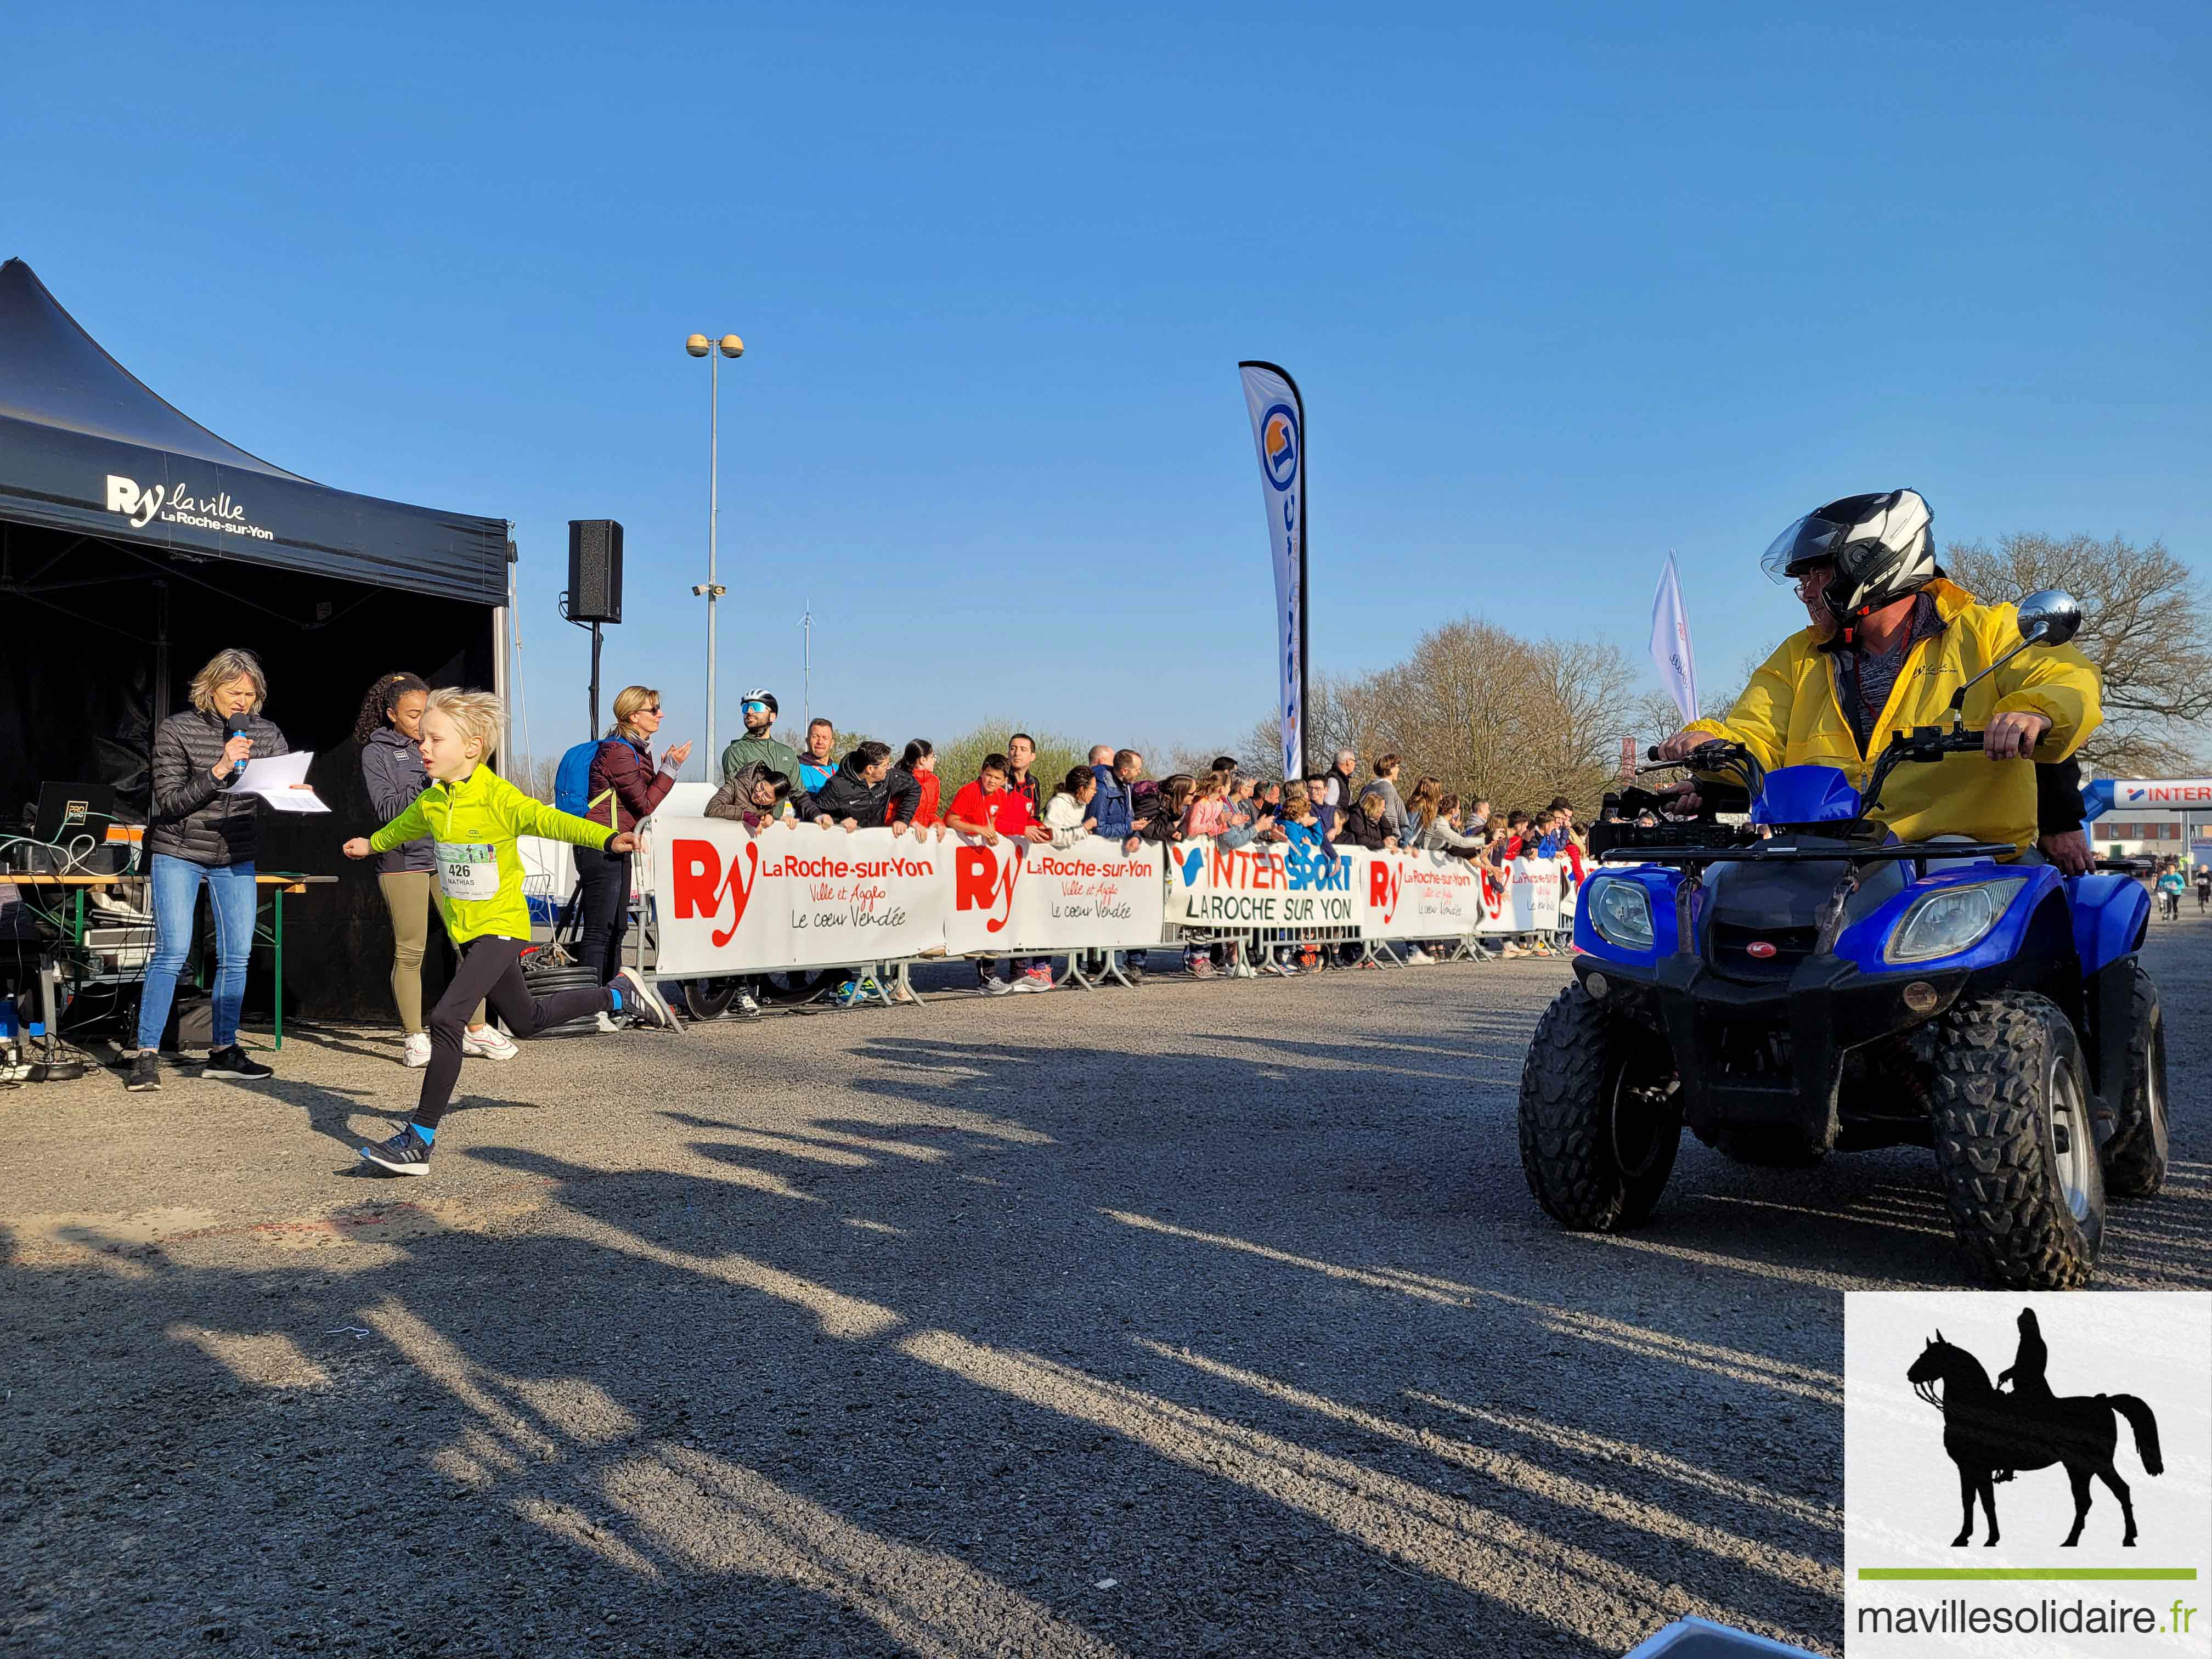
column 405, row 1153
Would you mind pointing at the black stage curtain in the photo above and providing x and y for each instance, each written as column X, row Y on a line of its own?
column 85, row 675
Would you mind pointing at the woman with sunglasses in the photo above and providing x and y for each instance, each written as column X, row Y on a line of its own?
column 625, row 789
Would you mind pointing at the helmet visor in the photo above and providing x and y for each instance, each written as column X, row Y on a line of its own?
column 1812, row 540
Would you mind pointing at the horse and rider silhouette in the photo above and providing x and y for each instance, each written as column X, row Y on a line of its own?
column 1990, row 1434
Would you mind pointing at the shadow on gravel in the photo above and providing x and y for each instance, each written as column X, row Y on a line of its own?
column 1036, row 1350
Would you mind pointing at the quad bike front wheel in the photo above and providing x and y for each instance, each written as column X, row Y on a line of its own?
column 1599, row 1120
column 2135, row 1157
column 2013, row 1141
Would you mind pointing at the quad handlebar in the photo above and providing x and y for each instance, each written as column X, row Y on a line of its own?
column 1922, row 743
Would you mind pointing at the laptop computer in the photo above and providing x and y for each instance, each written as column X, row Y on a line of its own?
column 68, row 811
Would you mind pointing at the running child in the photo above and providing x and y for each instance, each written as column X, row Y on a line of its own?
column 473, row 815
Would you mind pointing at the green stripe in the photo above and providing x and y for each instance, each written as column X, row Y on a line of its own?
column 2048, row 1575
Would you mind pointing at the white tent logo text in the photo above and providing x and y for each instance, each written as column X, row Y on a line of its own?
column 217, row 512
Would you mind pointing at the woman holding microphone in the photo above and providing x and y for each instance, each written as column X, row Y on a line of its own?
column 625, row 789
column 198, row 834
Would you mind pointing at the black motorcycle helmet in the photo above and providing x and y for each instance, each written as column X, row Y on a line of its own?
column 1882, row 547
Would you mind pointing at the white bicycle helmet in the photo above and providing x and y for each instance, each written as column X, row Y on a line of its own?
column 1882, row 546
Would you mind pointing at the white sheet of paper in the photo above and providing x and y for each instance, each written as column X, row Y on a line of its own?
column 274, row 779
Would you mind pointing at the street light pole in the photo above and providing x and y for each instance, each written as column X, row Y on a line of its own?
column 728, row 346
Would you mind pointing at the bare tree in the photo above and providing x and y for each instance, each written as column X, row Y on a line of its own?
column 1487, row 713
column 2143, row 624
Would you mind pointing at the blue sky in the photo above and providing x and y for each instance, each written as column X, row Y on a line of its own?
column 1562, row 291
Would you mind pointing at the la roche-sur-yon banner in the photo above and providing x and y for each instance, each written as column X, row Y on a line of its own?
column 796, row 896
column 1022, row 896
column 804, row 896
column 1279, row 433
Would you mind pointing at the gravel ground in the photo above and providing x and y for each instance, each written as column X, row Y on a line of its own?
column 1202, row 1319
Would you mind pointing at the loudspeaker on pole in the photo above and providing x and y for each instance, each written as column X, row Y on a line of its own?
column 595, row 561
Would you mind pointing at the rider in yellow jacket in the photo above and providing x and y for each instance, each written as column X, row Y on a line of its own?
column 1890, row 639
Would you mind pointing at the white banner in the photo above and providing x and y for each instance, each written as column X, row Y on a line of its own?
column 1090, row 897
column 1422, row 895
column 1265, row 884
column 1670, row 641
column 1532, row 897
column 799, row 897
column 795, row 897
column 1278, row 432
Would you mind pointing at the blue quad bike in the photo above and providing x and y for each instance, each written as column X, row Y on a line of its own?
column 1807, row 984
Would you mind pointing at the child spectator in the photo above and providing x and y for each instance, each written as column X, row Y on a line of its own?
column 1364, row 826
column 1159, row 815
column 1067, row 814
column 754, row 795
column 1207, row 815
column 1385, row 784
column 917, row 770
column 988, row 810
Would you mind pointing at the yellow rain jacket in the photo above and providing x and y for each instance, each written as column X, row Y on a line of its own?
column 1790, row 715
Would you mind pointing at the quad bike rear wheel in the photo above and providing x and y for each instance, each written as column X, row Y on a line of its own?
column 2135, row 1157
column 1599, row 1120
column 2013, row 1141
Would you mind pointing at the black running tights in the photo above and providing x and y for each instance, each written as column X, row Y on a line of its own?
column 490, row 972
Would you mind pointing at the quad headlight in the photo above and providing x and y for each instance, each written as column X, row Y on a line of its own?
column 1952, row 919
column 1621, row 913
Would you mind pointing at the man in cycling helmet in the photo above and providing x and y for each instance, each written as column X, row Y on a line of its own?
column 759, row 743
column 1890, row 639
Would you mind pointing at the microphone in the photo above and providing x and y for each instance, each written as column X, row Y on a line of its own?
column 234, row 727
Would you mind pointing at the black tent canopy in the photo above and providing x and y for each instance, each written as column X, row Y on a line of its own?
column 135, row 543
column 85, row 447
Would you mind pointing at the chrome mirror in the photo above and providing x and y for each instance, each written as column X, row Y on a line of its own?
column 2052, row 616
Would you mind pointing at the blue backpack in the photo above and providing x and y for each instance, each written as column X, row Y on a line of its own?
column 572, row 779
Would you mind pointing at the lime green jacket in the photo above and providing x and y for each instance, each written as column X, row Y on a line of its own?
column 484, row 809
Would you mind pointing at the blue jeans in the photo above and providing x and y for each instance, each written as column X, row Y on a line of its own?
column 176, row 884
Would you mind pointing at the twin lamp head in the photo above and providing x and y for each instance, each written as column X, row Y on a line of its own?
column 699, row 345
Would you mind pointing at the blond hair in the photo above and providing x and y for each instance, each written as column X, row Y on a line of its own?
column 627, row 702
column 475, row 715
column 221, row 669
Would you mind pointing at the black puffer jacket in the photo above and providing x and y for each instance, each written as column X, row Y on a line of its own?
column 194, row 816
column 850, row 795
column 392, row 767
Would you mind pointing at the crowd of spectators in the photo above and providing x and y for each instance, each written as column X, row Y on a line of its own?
column 766, row 781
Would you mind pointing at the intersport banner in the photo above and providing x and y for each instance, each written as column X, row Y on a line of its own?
column 1279, row 433
column 1264, row 884
column 1021, row 895
column 795, row 897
